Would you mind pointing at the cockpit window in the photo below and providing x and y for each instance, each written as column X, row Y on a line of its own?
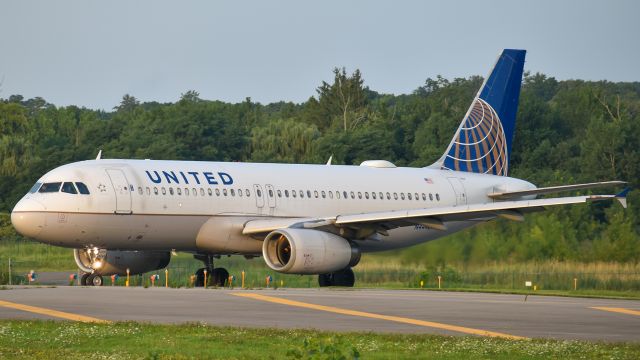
column 69, row 188
column 35, row 187
column 84, row 190
column 50, row 187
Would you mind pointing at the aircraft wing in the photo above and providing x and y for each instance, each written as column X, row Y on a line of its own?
column 552, row 190
column 435, row 218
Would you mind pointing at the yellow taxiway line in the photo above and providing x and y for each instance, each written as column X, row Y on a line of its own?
column 50, row 312
column 618, row 310
column 398, row 319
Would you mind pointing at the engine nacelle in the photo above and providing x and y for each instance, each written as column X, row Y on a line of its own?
column 304, row 251
column 116, row 262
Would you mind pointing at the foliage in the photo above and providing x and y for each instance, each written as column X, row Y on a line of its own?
column 567, row 131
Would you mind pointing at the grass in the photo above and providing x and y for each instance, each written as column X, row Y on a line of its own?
column 129, row 340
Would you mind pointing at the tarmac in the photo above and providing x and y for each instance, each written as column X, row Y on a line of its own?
column 363, row 310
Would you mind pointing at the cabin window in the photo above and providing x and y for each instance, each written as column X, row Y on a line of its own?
column 186, row 191
column 337, row 194
column 170, row 190
column 417, row 197
column 50, row 187
column 270, row 193
column 324, row 194
column 179, row 191
column 68, row 188
column 431, row 196
column 402, row 196
column 155, row 190
column 210, row 192
column 424, row 197
column 202, row 191
column 409, row 196
column 388, row 196
column 366, row 195
column 353, row 195
column 164, row 191
column 301, row 194
column 373, row 195
column 233, row 192
column 330, row 194
column 381, row 195
column 194, row 191
column 359, row 195
column 395, row 196
column 293, row 193
column 259, row 193
column 35, row 188
column 224, row 192
column 217, row 192
column 279, row 193
column 315, row 193
column 345, row 195
column 309, row 194
column 247, row 192
column 239, row 192
column 437, row 196
column 148, row 190
column 286, row 193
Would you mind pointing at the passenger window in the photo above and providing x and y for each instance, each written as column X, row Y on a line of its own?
column 258, row 193
column 366, row 194
column 202, row 191
column 210, row 192
column 337, row 194
column 233, row 192
column 315, row 193
column 309, row 194
column 417, row 197
column 247, row 192
column 381, row 195
column 431, row 196
column 194, row 192
column 68, row 188
column 82, row 188
column 155, row 190
column 388, row 196
column 139, row 190
column 35, row 188
column 217, row 192
column 239, row 192
column 148, row 190
column 50, row 187
column 179, row 191
column 424, row 197
column 330, row 194
column 402, row 196
column 301, row 194
column 286, row 193
column 395, row 196
column 279, row 193
column 170, row 190
column 186, row 191
column 437, row 196
column 359, row 195
column 373, row 195
column 409, row 196
column 345, row 195
column 224, row 192
column 293, row 193
column 164, row 191
column 324, row 194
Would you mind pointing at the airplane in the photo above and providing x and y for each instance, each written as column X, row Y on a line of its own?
column 124, row 216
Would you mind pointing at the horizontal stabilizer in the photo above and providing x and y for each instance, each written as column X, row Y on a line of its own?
column 552, row 190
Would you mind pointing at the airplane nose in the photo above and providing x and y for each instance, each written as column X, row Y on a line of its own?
column 28, row 217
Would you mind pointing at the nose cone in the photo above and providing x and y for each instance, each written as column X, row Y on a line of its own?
column 27, row 217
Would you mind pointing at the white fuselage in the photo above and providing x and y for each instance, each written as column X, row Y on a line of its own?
column 163, row 205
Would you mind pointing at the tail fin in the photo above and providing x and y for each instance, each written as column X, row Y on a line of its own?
column 482, row 143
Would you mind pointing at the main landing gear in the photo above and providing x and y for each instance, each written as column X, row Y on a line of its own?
column 215, row 276
column 344, row 277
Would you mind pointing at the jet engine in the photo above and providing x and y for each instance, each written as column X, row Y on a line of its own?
column 304, row 251
column 116, row 262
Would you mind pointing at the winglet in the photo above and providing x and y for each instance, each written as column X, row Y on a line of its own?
column 99, row 155
column 622, row 197
column 330, row 158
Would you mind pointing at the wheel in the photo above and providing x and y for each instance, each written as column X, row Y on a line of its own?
column 324, row 280
column 199, row 278
column 344, row 277
column 83, row 279
column 96, row 280
column 89, row 280
column 219, row 277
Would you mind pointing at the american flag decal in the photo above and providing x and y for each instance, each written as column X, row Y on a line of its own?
column 428, row 180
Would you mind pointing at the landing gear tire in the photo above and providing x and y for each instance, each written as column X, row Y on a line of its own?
column 96, row 280
column 200, row 277
column 83, row 279
column 219, row 277
column 344, row 278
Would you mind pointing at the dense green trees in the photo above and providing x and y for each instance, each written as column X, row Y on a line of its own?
column 567, row 131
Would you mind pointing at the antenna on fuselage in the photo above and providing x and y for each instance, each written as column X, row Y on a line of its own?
column 329, row 161
column 99, row 155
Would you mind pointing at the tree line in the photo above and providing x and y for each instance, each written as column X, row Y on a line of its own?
column 567, row 132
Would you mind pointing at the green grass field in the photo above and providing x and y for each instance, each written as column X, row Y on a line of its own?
column 66, row 340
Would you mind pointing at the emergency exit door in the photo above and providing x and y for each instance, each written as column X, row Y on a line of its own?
column 122, row 190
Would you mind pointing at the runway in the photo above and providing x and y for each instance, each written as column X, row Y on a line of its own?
column 396, row 311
